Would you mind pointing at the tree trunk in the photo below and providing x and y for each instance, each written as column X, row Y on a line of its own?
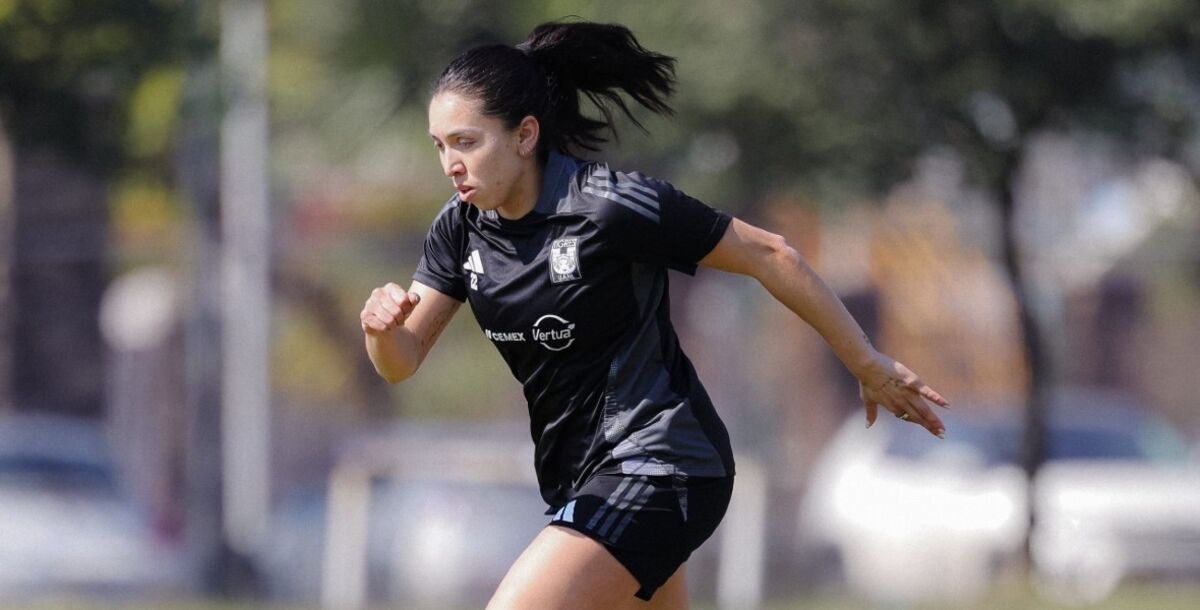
column 1036, row 405
column 7, row 253
column 57, row 283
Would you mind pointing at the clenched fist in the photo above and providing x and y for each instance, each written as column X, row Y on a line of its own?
column 387, row 308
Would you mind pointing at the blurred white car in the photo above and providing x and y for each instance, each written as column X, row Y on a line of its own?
column 65, row 528
column 910, row 517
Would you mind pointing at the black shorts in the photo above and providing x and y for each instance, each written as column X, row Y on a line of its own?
column 651, row 524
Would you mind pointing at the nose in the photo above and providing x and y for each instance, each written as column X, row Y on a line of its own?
column 452, row 165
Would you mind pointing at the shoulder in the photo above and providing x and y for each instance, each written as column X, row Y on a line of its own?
column 453, row 213
column 451, row 224
column 615, row 195
column 453, row 207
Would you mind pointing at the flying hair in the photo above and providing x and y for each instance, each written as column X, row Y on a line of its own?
column 544, row 75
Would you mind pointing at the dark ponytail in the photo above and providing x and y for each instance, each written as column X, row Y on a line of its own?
column 543, row 76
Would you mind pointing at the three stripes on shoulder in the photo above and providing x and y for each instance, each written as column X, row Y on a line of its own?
column 641, row 199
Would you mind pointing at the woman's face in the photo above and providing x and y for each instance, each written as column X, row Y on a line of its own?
column 480, row 155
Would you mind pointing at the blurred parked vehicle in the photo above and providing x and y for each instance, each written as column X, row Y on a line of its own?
column 65, row 526
column 908, row 516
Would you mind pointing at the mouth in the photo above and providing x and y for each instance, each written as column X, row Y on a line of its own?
column 464, row 191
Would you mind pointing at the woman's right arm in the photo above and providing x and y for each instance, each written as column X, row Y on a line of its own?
column 398, row 333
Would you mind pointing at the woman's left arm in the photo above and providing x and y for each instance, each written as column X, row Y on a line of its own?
column 767, row 257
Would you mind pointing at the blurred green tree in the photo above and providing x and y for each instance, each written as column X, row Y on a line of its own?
column 980, row 78
column 837, row 100
column 68, row 72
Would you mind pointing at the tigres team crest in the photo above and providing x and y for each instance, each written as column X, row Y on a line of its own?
column 564, row 260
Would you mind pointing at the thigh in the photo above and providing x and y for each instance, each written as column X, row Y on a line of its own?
column 564, row 569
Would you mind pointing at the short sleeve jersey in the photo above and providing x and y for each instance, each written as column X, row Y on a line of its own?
column 574, row 296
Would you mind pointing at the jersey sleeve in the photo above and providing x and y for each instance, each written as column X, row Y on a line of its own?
column 651, row 221
column 439, row 267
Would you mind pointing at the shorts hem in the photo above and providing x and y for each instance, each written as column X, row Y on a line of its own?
column 645, row 591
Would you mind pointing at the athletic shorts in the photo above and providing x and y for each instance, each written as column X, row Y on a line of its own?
column 651, row 524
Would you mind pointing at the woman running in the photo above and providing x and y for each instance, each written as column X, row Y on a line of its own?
column 565, row 262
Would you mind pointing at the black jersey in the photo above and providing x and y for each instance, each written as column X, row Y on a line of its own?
column 574, row 296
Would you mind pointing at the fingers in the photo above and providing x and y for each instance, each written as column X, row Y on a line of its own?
column 902, row 393
column 907, row 405
column 387, row 308
column 913, row 403
column 933, row 423
column 906, row 402
column 920, row 413
column 929, row 394
column 407, row 304
column 375, row 316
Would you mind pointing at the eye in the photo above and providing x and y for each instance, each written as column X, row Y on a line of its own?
column 466, row 143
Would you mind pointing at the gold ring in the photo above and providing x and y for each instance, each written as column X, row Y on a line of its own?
column 904, row 416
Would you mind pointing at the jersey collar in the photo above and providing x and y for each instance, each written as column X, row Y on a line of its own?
column 556, row 184
column 554, row 197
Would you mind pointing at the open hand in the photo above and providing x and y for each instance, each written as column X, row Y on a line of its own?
column 889, row 383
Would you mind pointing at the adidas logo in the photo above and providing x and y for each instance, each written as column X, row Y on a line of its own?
column 474, row 266
column 566, row 514
column 474, row 263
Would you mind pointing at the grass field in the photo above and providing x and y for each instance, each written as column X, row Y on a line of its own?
column 1144, row 597
column 1134, row 597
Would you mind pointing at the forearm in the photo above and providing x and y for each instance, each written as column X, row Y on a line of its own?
column 793, row 283
column 394, row 354
column 767, row 257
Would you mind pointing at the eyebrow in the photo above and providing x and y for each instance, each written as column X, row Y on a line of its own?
column 458, row 132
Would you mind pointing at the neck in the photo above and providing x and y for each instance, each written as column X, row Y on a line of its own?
column 525, row 192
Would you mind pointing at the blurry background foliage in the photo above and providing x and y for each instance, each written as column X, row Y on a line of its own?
column 826, row 105
column 938, row 162
column 82, row 129
column 823, row 104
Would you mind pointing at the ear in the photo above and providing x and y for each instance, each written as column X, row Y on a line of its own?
column 529, row 132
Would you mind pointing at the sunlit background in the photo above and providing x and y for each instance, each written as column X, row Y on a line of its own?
column 197, row 197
